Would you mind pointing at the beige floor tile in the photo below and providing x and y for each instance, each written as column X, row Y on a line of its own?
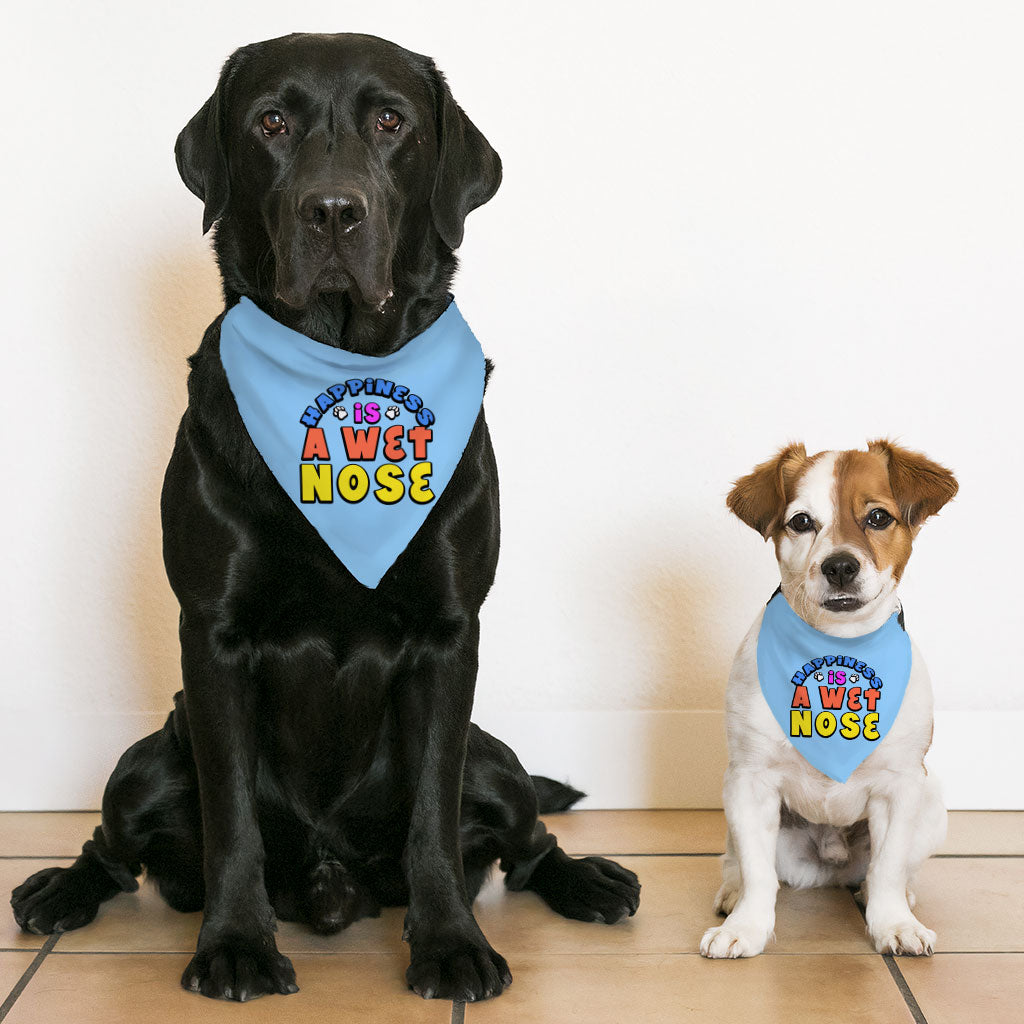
column 978, row 988
column 973, row 903
column 13, row 873
column 12, row 967
column 45, row 833
column 107, row 988
column 639, row 831
column 675, row 909
column 985, row 832
column 663, row 989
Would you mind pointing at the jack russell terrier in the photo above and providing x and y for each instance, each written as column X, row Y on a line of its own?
column 829, row 704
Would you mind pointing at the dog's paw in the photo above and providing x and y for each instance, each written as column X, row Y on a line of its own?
column 587, row 888
column 392, row 411
column 239, row 969
column 732, row 940
column 54, row 900
column 340, row 411
column 904, row 938
column 463, row 968
column 726, row 898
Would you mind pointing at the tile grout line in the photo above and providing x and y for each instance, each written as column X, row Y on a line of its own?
column 23, row 981
column 901, row 984
column 909, row 999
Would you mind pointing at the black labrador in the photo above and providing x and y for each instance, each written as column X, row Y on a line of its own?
column 320, row 761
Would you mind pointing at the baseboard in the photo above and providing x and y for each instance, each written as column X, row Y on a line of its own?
column 621, row 758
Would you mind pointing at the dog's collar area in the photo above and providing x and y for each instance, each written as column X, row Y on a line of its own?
column 256, row 314
column 900, row 616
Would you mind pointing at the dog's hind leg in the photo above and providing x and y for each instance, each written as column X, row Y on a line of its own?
column 499, row 821
column 146, row 820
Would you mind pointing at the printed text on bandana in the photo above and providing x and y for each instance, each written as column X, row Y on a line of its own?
column 371, row 430
column 835, row 695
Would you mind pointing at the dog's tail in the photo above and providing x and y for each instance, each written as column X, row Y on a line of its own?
column 554, row 796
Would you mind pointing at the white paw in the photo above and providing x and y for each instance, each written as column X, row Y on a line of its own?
column 391, row 411
column 905, row 938
column 726, row 899
column 729, row 941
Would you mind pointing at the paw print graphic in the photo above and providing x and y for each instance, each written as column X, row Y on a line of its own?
column 819, row 676
column 391, row 411
column 340, row 411
column 854, row 679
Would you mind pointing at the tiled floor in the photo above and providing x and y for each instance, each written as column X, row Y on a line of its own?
column 125, row 966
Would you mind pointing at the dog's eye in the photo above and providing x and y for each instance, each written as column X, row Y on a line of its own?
column 273, row 123
column 879, row 519
column 801, row 523
column 389, row 121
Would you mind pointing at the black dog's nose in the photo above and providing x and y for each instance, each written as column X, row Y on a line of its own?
column 840, row 569
column 344, row 211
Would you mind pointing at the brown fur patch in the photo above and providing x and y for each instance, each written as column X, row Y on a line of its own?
column 760, row 498
column 862, row 484
column 921, row 487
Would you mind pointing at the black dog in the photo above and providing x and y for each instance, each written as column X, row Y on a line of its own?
column 320, row 761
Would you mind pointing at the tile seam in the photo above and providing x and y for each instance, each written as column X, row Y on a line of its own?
column 21, row 984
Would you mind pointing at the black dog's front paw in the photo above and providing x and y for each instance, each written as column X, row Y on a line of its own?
column 587, row 888
column 239, row 969
column 55, row 900
column 464, row 968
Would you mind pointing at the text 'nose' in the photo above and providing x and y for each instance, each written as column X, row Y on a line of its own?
column 840, row 569
column 340, row 211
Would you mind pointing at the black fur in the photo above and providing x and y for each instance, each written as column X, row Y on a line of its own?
column 320, row 761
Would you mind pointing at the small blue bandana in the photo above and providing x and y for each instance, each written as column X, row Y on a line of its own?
column 363, row 445
column 835, row 698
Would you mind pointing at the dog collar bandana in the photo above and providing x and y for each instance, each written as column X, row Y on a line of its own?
column 363, row 445
column 835, row 698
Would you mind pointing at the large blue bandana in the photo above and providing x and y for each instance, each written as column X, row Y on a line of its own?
column 834, row 698
column 364, row 445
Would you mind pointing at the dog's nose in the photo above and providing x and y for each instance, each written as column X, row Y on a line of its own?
column 840, row 569
column 341, row 210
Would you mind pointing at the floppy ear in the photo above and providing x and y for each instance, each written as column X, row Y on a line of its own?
column 200, row 154
column 921, row 487
column 468, row 169
column 759, row 498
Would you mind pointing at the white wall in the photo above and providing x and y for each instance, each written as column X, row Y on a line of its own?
column 722, row 226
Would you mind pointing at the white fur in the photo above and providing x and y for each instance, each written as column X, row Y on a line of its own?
column 891, row 789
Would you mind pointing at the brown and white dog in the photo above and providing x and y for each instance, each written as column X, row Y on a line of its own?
column 842, row 524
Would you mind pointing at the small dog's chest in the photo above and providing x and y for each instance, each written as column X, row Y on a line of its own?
column 834, row 698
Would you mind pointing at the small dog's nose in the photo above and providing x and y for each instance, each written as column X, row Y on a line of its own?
column 343, row 210
column 840, row 569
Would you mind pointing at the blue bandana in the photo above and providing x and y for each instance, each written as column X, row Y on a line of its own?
column 364, row 445
column 834, row 698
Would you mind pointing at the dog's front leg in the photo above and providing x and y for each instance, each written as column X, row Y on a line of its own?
column 892, row 820
column 450, row 958
column 236, row 957
column 752, row 811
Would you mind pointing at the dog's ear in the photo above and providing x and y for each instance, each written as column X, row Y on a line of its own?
column 759, row 498
column 200, row 152
column 468, row 169
column 921, row 487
